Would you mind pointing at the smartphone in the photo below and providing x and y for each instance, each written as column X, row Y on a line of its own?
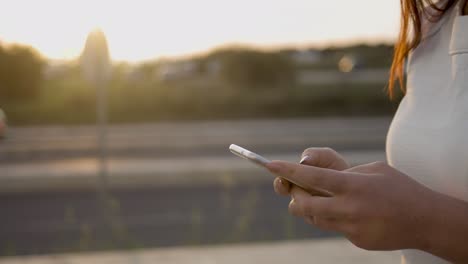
column 248, row 155
column 262, row 161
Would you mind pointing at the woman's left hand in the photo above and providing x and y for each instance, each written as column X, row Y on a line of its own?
column 375, row 206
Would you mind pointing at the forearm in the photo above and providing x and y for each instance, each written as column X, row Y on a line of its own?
column 447, row 229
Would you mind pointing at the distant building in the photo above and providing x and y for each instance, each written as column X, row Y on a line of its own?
column 177, row 70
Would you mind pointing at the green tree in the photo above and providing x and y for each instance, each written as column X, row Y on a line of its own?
column 20, row 73
column 249, row 68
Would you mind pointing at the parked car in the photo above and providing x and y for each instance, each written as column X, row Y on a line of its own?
column 3, row 124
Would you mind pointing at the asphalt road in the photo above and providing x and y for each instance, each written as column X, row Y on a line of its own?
column 33, row 144
column 148, row 215
column 40, row 223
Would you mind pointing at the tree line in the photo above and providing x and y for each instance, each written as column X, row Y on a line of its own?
column 21, row 70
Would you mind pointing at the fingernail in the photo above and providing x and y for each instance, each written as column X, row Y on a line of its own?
column 304, row 159
column 284, row 183
column 274, row 167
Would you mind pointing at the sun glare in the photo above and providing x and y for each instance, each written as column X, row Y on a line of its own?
column 143, row 29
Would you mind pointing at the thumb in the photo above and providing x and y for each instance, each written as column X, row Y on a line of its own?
column 324, row 158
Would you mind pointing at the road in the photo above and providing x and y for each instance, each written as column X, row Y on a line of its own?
column 204, row 196
column 32, row 144
column 38, row 223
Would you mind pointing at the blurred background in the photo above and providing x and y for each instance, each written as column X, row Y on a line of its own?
column 116, row 116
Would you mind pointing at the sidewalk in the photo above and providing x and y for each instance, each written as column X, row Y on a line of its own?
column 327, row 251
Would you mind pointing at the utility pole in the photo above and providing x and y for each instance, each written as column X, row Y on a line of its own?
column 96, row 66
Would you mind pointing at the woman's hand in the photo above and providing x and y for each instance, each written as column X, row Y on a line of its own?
column 374, row 205
column 317, row 157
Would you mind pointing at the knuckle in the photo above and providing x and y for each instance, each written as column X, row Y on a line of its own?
column 300, row 207
column 309, row 151
column 276, row 183
column 292, row 208
column 278, row 188
column 328, row 150
column 322, row 150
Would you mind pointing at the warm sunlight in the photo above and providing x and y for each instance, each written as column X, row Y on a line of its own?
column 119, row 120
column 143, row 29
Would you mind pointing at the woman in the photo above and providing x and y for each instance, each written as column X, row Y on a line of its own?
column 418, row 202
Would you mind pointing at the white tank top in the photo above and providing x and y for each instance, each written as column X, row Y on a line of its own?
column 428, row 138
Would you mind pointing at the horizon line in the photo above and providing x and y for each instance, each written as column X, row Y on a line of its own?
column 339, row 43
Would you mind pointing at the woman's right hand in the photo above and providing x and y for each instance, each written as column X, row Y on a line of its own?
column 317, row 157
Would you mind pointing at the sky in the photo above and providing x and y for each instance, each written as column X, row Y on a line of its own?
column 145, row 29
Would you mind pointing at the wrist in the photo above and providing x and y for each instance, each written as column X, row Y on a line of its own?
column 444, row 222
column 429, row 221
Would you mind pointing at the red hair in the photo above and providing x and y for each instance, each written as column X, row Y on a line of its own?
column 412, row 12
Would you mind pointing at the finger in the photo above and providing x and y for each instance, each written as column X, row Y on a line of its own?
column 374, row 167
column 323, row 158
column 309, row 177
column 304, row 205
column 281, row 186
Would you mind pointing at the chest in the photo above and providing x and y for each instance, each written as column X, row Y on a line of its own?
column 435, row 155
column 428, row 139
